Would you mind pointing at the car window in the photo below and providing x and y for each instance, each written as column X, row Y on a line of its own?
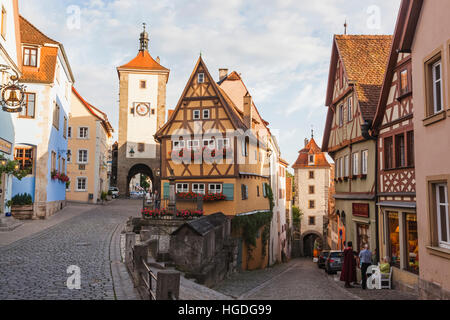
column 336, row 255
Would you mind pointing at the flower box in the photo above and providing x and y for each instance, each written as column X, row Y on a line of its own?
column 24, row 212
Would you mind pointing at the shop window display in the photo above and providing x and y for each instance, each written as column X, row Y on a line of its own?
column 394, row 238
column 363, row 235
column 412, row 243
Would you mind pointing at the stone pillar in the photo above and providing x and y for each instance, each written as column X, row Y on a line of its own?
column 168, row 285
column 130, row 241
column 140, row 253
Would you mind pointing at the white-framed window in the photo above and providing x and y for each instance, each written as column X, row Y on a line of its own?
column 311, row 159
column 81, row 184
column 178, row 144
column 341, row 115
column 244, row 147
column 193, row 144
column 68, row 187
column 182, row 187
column 364, row 156
column 82, row 156
column 196, row 114
column 201, row 78
column 210, row 143
column 206, row 113
column 347, row 165
column 69, row 132
column 83, row 132
column 223, row 143
column 443, row 223
column 349, row 109
column 355, row 163
column 341, row 168
column 215, row 188
column 198, row 188
column 437, row 86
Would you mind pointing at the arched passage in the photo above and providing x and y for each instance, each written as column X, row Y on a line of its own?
column 308, row 239
column 139, row 169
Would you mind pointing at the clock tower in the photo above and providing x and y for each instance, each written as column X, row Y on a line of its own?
column 142, row 111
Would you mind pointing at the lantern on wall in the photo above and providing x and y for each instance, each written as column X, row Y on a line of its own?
column 12, row 94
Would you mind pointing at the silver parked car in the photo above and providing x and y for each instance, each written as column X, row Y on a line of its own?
column 334, row 262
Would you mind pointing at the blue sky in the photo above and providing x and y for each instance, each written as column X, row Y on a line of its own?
column 282, row 48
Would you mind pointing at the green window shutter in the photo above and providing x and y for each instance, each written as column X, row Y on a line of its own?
column 228, row 191
column 166, row 190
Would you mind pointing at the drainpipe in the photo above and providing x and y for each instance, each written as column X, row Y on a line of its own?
column 370, row 135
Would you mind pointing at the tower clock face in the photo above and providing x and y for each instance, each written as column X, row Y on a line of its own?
column 142, row 109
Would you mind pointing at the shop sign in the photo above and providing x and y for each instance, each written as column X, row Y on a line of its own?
column 5, row 146
column 361, row 210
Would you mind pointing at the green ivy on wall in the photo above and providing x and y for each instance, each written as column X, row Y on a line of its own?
column 10, row 167
column 251, row 224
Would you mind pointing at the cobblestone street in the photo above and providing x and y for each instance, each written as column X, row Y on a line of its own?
column 35, row 267
column 300, row 279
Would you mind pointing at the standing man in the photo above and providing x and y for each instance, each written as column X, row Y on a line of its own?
column 365, row 258
column 348, row 273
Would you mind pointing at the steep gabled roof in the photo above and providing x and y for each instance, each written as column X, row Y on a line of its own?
column 235, row 88
column 320, row 160
column 403, row 36
column 100, row 115
column 365, row 60
column 31, row 35
column 143, row 61
column 223, row 97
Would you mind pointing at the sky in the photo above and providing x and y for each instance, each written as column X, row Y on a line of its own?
column 281, row 48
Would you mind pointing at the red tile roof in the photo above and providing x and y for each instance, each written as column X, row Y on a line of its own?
column 30, row 35
column 365, row 60
column 320, row 159
column 143, row 61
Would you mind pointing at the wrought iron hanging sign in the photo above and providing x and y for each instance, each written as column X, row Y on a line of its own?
column 12, row 94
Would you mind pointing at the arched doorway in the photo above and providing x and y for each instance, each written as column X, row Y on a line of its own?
column 142, row 177
column 310, row 241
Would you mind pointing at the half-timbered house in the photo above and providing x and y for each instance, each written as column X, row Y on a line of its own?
column 356, row 75
column 210, row 148
column 396, row 190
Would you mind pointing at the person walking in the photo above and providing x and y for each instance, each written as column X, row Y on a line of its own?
column 348, row 273
column 365, row 258
column 157, row 200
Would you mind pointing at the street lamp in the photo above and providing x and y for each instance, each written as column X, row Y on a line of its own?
column 132, row 152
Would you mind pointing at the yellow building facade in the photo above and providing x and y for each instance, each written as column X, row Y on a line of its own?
column 89, row 135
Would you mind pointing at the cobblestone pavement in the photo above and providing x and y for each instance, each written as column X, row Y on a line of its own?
column 300, row 279
column 35, row 267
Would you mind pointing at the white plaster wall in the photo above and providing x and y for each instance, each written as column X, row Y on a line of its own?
column 321, row 182
column 9, row 43
column 142, row 129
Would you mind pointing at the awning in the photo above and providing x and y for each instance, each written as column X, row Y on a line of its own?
column 397, row 204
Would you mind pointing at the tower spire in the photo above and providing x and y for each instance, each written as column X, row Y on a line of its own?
column 144, row 39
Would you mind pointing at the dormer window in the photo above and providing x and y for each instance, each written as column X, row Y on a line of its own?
column 311, row 159
column 201, row 78
column 30, row 57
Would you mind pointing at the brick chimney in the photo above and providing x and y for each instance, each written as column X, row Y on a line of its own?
column 248, row 110
column 306, row 142
column 158, row 60
column 223, row 73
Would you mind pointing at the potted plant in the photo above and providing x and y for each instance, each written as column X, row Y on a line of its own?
column 104, row 197
column 22, row 206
